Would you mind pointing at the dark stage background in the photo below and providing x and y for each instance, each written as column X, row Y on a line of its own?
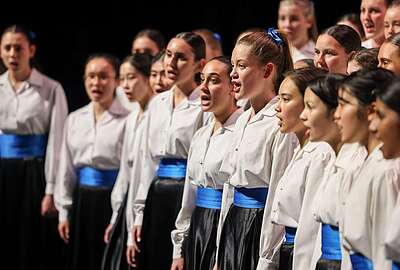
column 67, row 32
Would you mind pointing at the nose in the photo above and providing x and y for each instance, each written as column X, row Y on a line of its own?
column 319, row 60
column 124, row 83
column 373, row 125
column 204, row 86
column 303, row 116
column 233, row 73
column 278, row 106
column 286, row 23
column 336, row 115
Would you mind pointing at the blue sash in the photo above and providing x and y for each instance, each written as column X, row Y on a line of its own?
column 209, row 198
column 22, row 146
column 250, row 197
column 89, row 176
column 395, row 266
column 172, row 168
column 331, row 243
column 290, row 234
column 360, row 262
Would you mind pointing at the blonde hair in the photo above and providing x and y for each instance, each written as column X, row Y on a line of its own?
column 307, row 6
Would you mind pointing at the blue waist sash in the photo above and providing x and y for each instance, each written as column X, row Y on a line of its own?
column 250, row 197
column 360, row 262
column 209, row 198
column 331, row 243
column 396, row 266
column 89, row 176
column 22, row 146
column 172, row 168
column 290, row 234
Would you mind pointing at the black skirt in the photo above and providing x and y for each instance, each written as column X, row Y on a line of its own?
column 240, row 239
column 163, row 204
column 90, row 217
column 114, row 257
column 286, row 257
column 29, row 240
column 328, row 265
column 200, row 245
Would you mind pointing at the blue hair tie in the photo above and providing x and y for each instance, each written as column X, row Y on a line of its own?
column 217, row 36
column 32, row 35
column 275, row 36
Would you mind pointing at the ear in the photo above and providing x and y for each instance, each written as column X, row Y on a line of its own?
column 268, row 68
column 350, row 55
column 32, row 50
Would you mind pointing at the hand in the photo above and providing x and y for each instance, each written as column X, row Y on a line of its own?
column 136, row 233
column 130, row 256
column 107, row 233
column 63, row 230
column 215, row 267
column 177, row 264
column 48, row 207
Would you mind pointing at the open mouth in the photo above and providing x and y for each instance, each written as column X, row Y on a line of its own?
column 236, row 87
column 205, row 100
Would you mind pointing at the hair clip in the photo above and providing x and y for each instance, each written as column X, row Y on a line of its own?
column 217, row 36
column 275, row 36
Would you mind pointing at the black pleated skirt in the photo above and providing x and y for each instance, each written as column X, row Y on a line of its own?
column 240, row 239
column 324, row 264
column 200, row 245
column 286, row 257
column 163, row 204
column 29, row 241
column 90, row 217
column 114, row 257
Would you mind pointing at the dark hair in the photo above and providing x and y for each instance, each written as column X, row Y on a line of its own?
column 196, row 42
column 303, row 76
column 326, row 88
column 158, row 57
column 224, row 60
column 391, row 95
column 140, row 61
column 111, row 59
column 268, row 50
column 21, row 29
column 366, row 58
column 154, row 35
column 307, row 62
column 394, row 3
column 346, row 36
column 210, row 38
column 364, row 84
column 354, row 18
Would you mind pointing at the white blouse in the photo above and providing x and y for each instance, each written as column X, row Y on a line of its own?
column 130, row 155
column 369, row 203
column 259, row 157
column 169, row 133
column 88, row 143
column 206, row 153
column 38, row 107
column 305, row 52
column 392, row 239
column 295, row 196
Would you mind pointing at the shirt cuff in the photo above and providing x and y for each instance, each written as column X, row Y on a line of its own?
column 62, row 215
column 114, row 217
column 265, row 264
column 129, row 242
column 177, row 253
column 139, row 220
column 49, row 188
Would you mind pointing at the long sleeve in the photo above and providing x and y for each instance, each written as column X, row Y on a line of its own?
column 121, row 184
column 392, row 239
column 182, row 223
column 66, row 180
column 272, row 234
column 59, row 113
column 382, row 204
column 307, row 247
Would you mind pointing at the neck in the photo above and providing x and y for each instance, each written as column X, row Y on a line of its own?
column 182, row 91
column 373, row 142
column 222, row 117
column 18, row 77
column 335, row 143
column 377, row 41
column 303, row 137
column 298, row 44
column 259, row 102
column 100, row 108
column 145, row 99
